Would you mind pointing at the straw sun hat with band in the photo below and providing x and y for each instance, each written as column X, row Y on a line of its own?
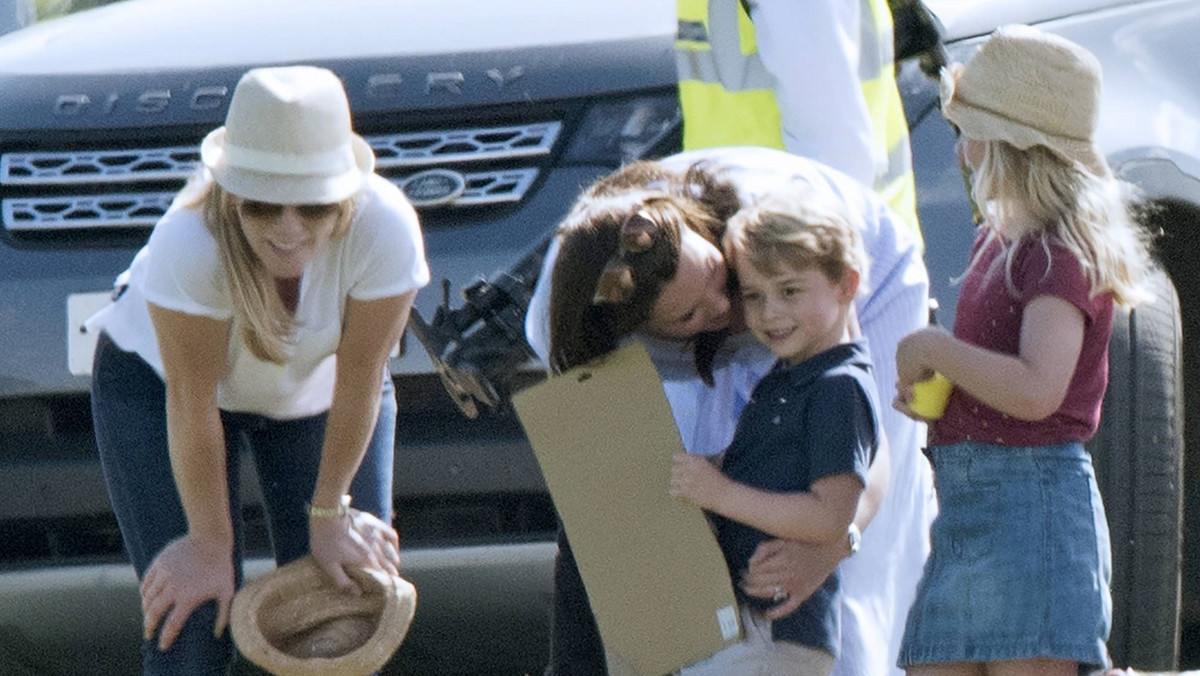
column 287, row 139
column 294, row 622
column 1029, row 88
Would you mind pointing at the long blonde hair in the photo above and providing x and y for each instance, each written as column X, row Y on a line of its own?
column 1029, row 195
column 266, row 325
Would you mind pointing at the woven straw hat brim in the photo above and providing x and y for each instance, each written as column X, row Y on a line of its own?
column 985, row 125
column 299, row 600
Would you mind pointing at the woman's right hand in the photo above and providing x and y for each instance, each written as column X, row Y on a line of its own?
column 186, row 573
column 356, row 539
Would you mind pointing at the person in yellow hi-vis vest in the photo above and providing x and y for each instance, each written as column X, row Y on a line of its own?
column 817, row 79
column 813, row 78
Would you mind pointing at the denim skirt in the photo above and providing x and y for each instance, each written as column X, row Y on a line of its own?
column 1020, row 563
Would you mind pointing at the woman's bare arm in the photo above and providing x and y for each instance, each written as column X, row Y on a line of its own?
column 370, row 330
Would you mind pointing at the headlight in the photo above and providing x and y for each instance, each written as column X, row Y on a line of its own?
column 621, row 130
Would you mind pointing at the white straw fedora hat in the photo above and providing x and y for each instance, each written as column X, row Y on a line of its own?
column 1029, row 88
column 288, row 140
column 294, row 622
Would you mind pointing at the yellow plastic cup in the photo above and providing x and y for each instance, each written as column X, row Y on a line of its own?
column 930, row 397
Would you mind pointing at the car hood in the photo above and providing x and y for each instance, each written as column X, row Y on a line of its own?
column 162, row 35
column 142, row 63
column 175, row 32
column 968, row 18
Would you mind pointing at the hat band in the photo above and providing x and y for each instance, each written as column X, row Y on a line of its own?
column 331, row 162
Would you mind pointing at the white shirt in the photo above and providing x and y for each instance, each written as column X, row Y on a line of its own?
column 880, row 581
column 382, row 254
column 812, row 50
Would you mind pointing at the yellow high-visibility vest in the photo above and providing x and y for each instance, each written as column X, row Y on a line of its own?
column 728, row 96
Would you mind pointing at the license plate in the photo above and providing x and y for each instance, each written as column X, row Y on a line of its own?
column 81, row 343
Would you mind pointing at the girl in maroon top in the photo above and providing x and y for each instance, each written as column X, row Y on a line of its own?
column 1017, row 582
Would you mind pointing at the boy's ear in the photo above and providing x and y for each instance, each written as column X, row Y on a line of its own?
column 848, row 286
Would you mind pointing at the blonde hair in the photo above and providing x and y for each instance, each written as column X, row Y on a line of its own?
column 267, row 326
column 1029, row 195
column 799, row 229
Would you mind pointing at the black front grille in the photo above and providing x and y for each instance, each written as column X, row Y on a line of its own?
column 49, row 191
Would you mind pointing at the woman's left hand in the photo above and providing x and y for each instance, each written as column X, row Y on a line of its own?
column 355, row 540
column 788, row 572
column 696, row 479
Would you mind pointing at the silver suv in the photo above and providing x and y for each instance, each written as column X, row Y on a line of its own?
column 492, row 115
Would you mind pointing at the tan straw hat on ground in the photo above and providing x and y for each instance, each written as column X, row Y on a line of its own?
column 287, row 139
column 294, row 622
column 1029, row 88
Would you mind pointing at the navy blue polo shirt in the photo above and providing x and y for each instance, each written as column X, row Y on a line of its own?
column 805, row 421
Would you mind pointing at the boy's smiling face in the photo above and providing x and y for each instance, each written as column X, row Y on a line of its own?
column 797, row 313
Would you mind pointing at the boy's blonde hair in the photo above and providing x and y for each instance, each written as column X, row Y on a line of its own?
column 798, row 229
column 1034, row 193
column 267, row 327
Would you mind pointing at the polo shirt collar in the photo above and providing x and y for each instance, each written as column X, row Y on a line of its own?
column 854, row 352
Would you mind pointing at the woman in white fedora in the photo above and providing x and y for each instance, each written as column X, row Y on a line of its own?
column 260, row 314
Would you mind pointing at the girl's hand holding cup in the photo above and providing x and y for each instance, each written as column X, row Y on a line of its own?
column 929, row 397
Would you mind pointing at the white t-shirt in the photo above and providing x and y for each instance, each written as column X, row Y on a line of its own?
column 382, row 254
column 880, row 581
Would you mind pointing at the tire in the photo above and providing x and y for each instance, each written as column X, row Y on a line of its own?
column 1138, row 455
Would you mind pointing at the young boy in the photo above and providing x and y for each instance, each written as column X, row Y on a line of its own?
column 799, row 457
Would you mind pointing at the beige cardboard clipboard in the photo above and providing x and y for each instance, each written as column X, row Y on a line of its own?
column 658, row 584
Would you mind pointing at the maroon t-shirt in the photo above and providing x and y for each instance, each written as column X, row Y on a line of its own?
column 989, row 316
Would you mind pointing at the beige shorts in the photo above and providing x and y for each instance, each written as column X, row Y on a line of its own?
column 758, row 655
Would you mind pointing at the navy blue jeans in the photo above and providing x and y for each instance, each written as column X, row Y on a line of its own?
column 129, row 416
column 575, row 645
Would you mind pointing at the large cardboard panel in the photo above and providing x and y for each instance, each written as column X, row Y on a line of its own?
column 658, row 584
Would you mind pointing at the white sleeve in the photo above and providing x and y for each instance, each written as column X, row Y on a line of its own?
column 183, row 271
column 896, row 304
column 537, row 316
column 812, row 50
column 388, row 250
